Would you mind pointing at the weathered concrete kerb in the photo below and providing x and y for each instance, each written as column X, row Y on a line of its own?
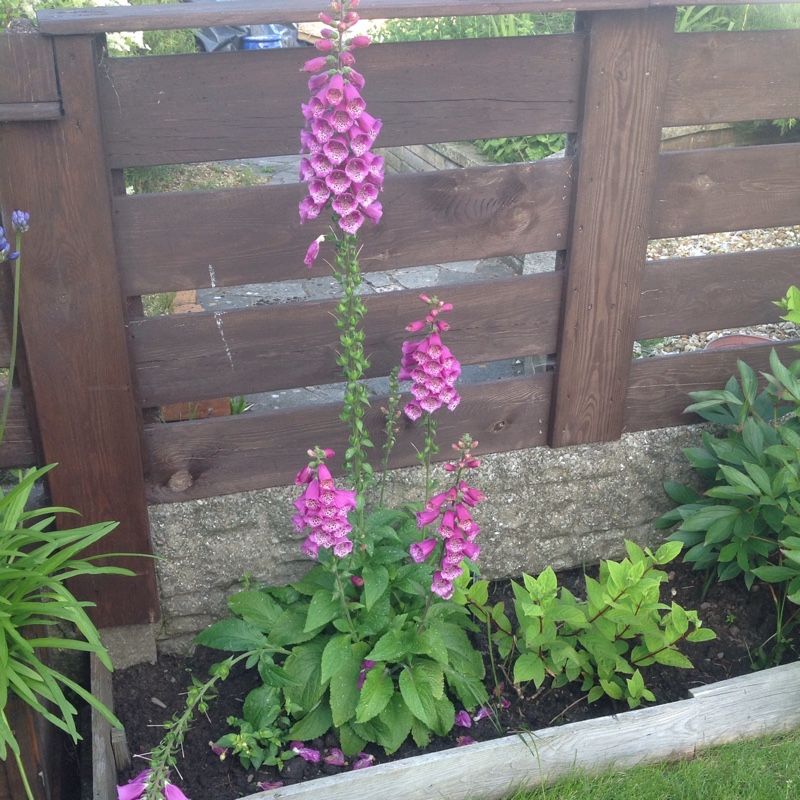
column 565, row 508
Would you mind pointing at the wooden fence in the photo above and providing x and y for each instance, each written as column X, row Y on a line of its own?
column 74, row 119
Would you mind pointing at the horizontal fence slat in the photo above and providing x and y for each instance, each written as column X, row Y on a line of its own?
column 28, row 69
column 706, row 191
column 17, row 449
column 235, row 236
column 209, row 457
column 732, row 76
column 244, row 12
column 190, row 357
column 207, row 107
column 676, row 291
column 29, row 112
column 658, row 389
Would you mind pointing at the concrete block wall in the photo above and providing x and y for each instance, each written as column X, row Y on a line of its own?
column 565, row 508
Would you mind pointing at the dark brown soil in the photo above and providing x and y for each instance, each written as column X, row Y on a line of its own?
column 742, row 620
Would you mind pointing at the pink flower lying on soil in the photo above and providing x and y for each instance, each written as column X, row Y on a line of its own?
column 135, row 788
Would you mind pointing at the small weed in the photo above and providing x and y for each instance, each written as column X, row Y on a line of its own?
column 158, row 305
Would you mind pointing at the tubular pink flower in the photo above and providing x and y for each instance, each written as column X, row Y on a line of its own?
column 347, row 59
column 356, row 169
column 359, row 41
column 334, row 91
column 369, row 125
column 442, row 586
column 309, row 209
column 311, row 255
column 338, row 181
column 340, row 120
column 366, row 194
column 315, row 64
column 326, row 18
column 319, row 191
column 322, row 130
column 306, row 753
column 310, row 142
column 356, row 78
column 335, row 758
column 336, row 150
column 421, row 550
column 412, row 411
column 351, row 222
column 374, row 211
column 324, row 45
column 360, row 143
column 463, row 741
column 316, row 82
column 363, row 760
column 354, row 103
column 463, row 719
column 344, row 203
column 307, row 172
column 321, row 164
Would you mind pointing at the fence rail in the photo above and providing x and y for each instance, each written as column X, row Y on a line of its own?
column 93, row 364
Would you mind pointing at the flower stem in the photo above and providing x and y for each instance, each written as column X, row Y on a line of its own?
column 354, row 363
column 343, row 601
column 17, row 757
column 14, row 343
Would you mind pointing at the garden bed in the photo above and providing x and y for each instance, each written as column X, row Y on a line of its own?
column 596, row 735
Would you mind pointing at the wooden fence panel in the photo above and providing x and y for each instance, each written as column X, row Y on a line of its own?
column 627, row 70
column 706, row 191
column 230, row 237
column 189, row 357
column 73, row 326
column 709, row 293
column 659, row 387
column 725, row 77
column 164, row 110
column 234, row 454
column 28, row 90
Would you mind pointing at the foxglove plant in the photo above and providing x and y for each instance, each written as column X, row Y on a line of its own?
column 434, row 371
column 376, row 648
column 345, row 176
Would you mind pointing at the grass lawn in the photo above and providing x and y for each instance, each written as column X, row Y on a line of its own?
column 760, row 769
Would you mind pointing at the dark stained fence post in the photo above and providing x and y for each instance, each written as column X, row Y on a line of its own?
column 617, row 151
column 73, row 324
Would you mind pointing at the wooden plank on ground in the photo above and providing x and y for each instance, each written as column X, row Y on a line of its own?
column 229, row 237
column 225, row 455
column 618, row 145
column 706, row 191
column 180, row 109
column 73, row 327
column 185, row 358
column 104, row 770
column 659, row 387
column 744, row 286
column 730, row 76
column 733, row 710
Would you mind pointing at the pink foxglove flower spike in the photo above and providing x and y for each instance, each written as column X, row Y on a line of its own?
column 339, row 129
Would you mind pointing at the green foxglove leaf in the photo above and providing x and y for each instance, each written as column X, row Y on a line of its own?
column 262, row 706
column 344, row 692
column 336, row 654
column 397, row 720
column 376, row 581
column 324, row 607
column 377, row 691
column 255, row 607
column 234, row 635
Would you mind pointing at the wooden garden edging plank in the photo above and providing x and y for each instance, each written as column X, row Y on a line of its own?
column 739, row 708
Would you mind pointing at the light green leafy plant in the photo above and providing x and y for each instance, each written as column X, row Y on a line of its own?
column 604, row 641
column 747, row 522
